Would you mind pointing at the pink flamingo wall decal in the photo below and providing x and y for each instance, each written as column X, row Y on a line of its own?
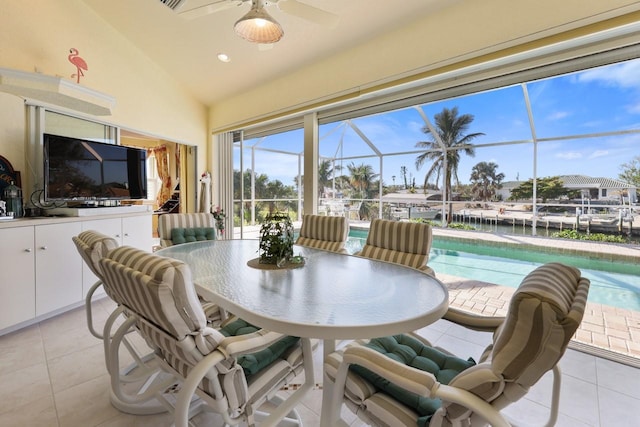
column 78, row 62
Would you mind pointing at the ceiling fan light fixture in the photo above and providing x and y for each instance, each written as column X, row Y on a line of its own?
column 257, row 26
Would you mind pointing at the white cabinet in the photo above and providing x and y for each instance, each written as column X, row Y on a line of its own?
column 58, row 267
column 17, row 275
column 137, row 231
column 41, row 271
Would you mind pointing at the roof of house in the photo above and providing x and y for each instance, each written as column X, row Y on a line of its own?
column 582, row 181
column 416, row 198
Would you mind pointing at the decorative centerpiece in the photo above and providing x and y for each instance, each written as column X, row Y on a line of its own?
column 276, row 239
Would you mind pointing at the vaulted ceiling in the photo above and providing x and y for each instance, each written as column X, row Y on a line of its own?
column 187, row 48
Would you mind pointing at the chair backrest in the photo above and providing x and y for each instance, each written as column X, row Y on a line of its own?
column 93, row 246
column 168, row 222
column 406, row 243
column 543, row 315
column 159, row 291
column 324, row 232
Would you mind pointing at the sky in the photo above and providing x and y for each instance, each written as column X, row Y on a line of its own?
column 587, row 123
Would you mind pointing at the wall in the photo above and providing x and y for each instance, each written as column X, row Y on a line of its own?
column 448, row 37
column 36, row 35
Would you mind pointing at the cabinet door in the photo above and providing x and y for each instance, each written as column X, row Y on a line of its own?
column 111, row 227
column 58, row 267
column 17, row 284
column 137, row 231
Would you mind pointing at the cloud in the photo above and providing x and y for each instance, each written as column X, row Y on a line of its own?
column 558, row 115
column 569, row 155
column 415, row 126
column 625, row 75
column 598, row 153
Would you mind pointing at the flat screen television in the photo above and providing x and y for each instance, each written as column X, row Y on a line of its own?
column 81, row 170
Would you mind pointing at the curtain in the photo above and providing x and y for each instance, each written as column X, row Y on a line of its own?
column 224, row 176
column 162, row 165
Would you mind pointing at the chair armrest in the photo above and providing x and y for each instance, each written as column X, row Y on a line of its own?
column 249, row 343
column 407, row 377
column 473, row 321
column 473, row 402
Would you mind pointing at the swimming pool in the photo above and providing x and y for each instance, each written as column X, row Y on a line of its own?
column 615, row 284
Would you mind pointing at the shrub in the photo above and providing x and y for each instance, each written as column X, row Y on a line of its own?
column 595, row 237
column 458, row 226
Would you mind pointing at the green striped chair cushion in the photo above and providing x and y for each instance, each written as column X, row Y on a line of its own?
column 168, row 222
column 406, row 243
column 324, row 232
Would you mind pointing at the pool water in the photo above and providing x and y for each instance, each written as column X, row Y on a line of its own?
column 615, row 284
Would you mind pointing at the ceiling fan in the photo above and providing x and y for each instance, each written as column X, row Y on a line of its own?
column 190, row 9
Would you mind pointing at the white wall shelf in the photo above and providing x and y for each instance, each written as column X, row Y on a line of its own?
column 55, row 91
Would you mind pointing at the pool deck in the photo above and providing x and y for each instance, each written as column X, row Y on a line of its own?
column 607, row 328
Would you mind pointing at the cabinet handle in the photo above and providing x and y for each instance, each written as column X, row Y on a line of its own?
column 126, row 234
column 27, row 250
column 44, row 248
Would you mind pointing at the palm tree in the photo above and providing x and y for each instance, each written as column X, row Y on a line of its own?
column 363, row 183
column 326, row 172
column 485, row 180
column 361, row 179
column 451, row 139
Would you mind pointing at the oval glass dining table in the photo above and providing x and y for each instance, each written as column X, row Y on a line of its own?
column 331, row 297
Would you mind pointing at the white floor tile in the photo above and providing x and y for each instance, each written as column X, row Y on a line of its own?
column 54, row 375
column 618, row 377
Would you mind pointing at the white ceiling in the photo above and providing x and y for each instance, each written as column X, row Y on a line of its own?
column 188, row 49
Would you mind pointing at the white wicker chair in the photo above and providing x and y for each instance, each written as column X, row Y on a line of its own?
column 403, row 380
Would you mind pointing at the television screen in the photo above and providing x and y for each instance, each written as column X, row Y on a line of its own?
column 77, row 170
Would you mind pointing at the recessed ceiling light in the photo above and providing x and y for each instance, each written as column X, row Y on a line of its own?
column 224, row 57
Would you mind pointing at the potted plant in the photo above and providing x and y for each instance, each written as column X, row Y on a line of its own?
column 276, row 239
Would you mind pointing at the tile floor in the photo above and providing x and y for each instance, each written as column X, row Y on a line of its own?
column 53, row 374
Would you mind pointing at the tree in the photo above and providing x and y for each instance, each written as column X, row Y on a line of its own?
column 403, row 172
column 326, row 172
column 485, row 180
column 264, row 189
column 550, row 187
column 363, row 184
column 631, row 172
column 452, row 138
column 277, row 190
column 361, row 180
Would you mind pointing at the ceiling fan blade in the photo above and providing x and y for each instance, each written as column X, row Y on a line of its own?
column 210, row 8
column 309, row 13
